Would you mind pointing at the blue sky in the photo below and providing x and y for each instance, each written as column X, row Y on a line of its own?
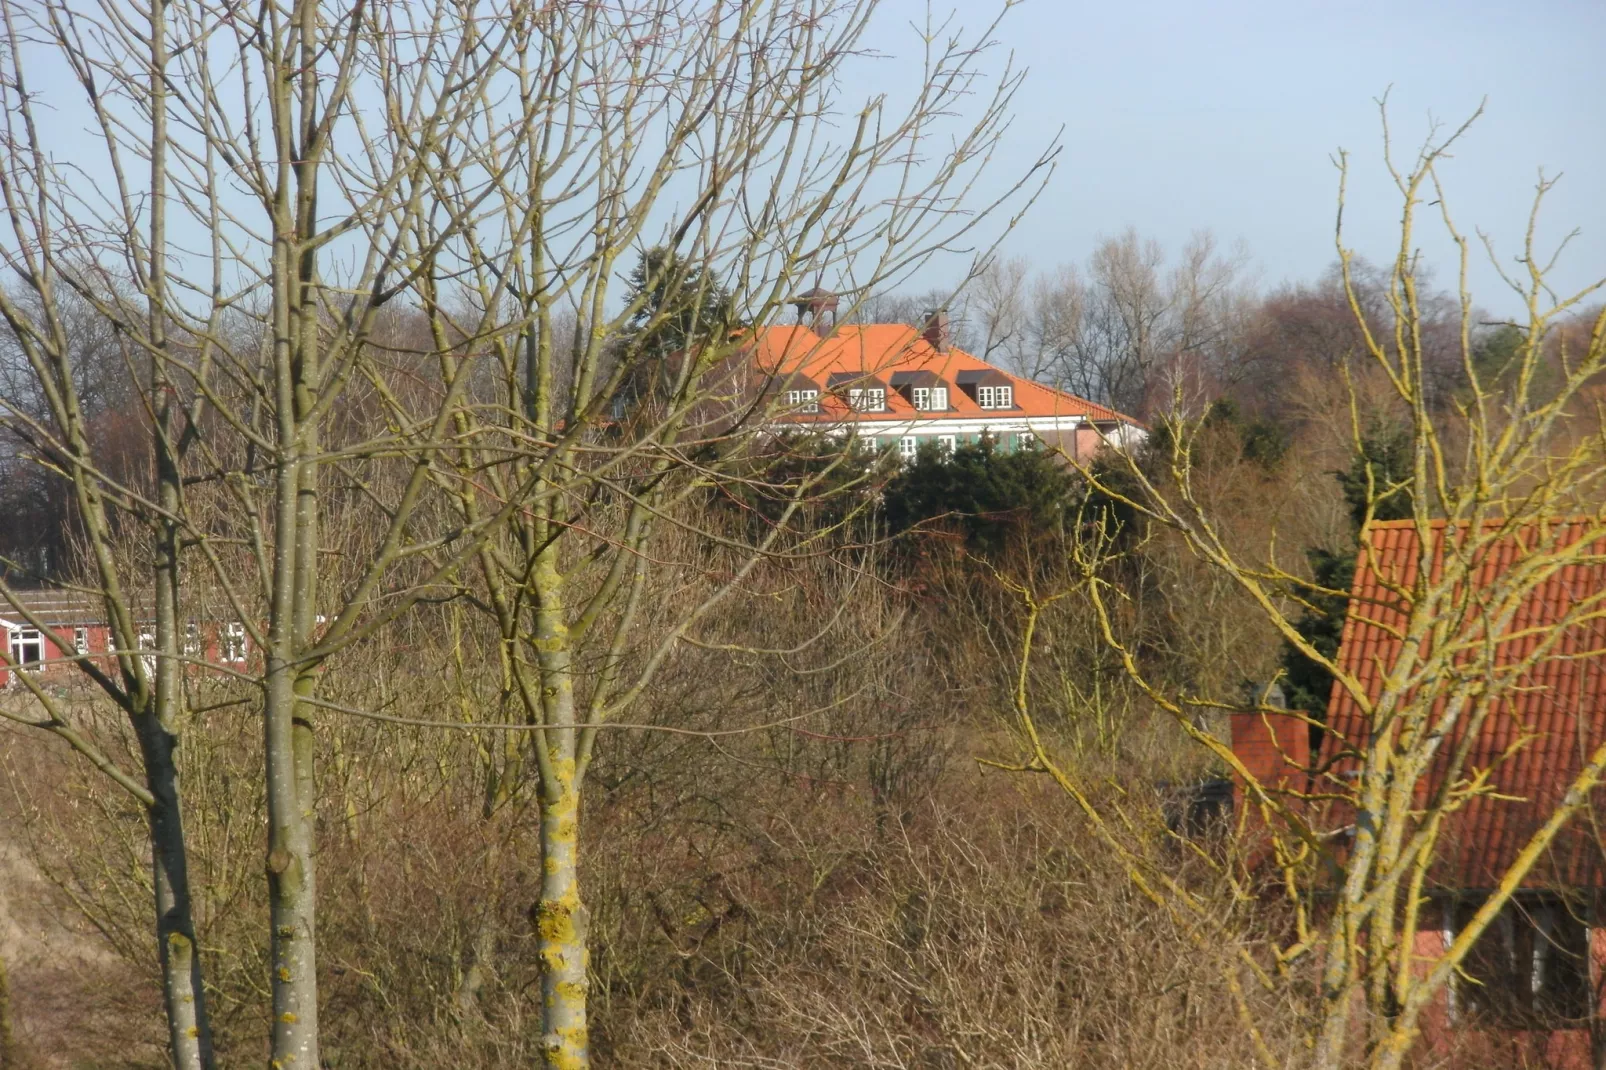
column 1179, row 116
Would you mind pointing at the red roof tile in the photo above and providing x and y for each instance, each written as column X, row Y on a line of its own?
column 877, row 350
column 1559, row 703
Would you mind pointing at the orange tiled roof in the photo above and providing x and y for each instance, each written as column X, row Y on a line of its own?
column 1560, row 701
column 878, row 350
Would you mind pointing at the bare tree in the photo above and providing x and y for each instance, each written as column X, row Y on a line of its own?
column 996, row 302
column 361, row 262
column 602, row 439
column 1126, row 329
column 220, row 134
column 1513, row 477
column 1299, row 343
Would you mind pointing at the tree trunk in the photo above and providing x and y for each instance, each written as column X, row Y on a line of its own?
column 10, row 1058
column 562, row 918
column 292, row 889
column 183, row 994
column 189, row 1032
column 288, row 757
column 476, row 968
column 481, row 951
column 1597, row 991
column 564, row 922
column 289, row 746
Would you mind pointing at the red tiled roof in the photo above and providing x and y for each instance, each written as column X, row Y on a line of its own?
column 1560, row 702
column 877, row 350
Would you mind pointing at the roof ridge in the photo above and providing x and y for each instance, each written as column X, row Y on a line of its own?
column 1439, row 522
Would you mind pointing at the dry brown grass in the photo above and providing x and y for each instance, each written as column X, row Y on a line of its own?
column 844, row 887
column 74, row 1001
column 847, row 889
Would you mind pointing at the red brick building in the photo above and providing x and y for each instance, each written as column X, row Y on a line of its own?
column 45, row 630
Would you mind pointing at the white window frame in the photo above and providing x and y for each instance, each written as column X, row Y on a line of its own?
column 995, row 397
column 235, row 642
column 1447, row 935
column 948, row 443
column 930, row 398
column 17, row 642
column 80, row 640
column 192, row 639
column 1025, row 440
column 147, row 653
column 867, row 399
column 908, row 446
column 803, row 400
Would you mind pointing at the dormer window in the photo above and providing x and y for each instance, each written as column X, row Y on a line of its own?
column 803, row 400
column 922, row 389
column 862, row 392
column 867, row 399
column 995, row 397
column 989, row 388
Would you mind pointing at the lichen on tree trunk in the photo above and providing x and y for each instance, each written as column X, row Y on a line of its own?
column 563, row 921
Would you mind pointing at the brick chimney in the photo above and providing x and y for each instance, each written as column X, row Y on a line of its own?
column 936, row 329
column 1274, row 748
